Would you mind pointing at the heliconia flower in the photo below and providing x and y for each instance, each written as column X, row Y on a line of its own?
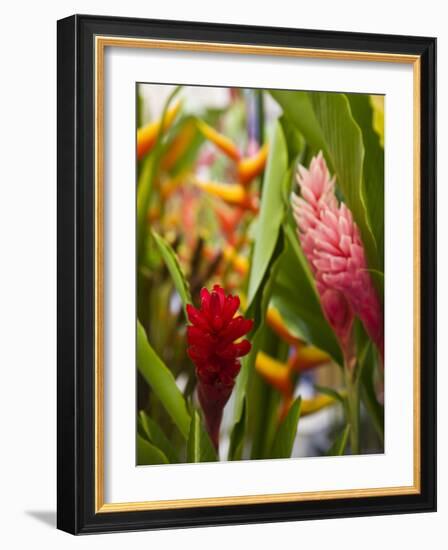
column 305, row 357
column 231, row 193
column 276, row 373
column 147, row 135
column 250, row 167
column 247, row 167
column 179, row 145
column 278, row 325
column 317, row 403
column 223, row 143
column 215, row 347
column 332, row 244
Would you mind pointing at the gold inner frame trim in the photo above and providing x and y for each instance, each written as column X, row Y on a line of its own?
column 101, row 42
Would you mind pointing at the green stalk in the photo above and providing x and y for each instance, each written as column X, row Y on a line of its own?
column 353, row 404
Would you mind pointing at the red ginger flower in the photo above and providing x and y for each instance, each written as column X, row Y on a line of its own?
column 332, row 244
column 214, row 352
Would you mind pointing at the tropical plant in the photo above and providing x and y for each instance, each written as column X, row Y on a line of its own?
column 260, row 275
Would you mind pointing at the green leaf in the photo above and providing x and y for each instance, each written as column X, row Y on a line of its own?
column 156, row 436
column 162, row 382
column 340, row 443
column 295, row 296
column 144, row 190
column 286, row 434
column 263, row 399
column 199, row 446
column 368, row 394
column 372, row 192
column 147, row 453
column 326, row 122
column 263, row 415
column 345, row 147
column 378, row 281
column 262, row 286
column 294, row 139
column 237, row 436
column 257, row 312
column 150, row 166
column 172, row 264
column 298, row 109
column 271, row 211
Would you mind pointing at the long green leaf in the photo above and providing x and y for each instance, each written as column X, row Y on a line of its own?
column 161, row 380
column 257, row 311
column 271, row 211
column 199, row 446
column 172, row 264
column 286, row 434
column 345, row 147
column 237, row 436
column 147, row 453
column 368, row 395
column 298, row 109
column 144, row 191
column 340, row 443
column 372, row 192
column 264, row 400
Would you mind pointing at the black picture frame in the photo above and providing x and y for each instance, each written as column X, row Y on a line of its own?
column 76, row 301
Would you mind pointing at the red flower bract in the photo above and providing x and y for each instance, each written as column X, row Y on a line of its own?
column 214, row 352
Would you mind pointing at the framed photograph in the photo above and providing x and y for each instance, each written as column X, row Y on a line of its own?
column 246, row 274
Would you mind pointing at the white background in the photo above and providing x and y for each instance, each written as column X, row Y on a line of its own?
column 28, row 273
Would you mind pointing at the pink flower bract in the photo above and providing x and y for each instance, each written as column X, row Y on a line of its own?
column 332, row 244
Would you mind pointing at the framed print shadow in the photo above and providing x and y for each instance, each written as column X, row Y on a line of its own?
column 246, row 274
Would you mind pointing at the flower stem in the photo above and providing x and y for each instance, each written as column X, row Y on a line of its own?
column 353, row 402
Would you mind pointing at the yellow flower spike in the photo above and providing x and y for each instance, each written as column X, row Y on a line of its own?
column 223, row 143
column 147, row 135
column 275, row 321
column 243, row 302
column 377, row 102
column 251, row 167
column 240, row 263
column 308, row 357
column 170, row 186
column 310, row 406
column 232, row 193
column 179, row 145
column 274, row 372
column 172, row 220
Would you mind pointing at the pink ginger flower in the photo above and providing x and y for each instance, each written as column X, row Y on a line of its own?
column 332, row 244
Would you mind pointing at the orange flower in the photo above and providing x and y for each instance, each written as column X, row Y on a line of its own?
column 247, row 168
column 277, row 324
column 147, row 136
column 231, row 193
column 307, row 357
column 250, row 167
column 179, row 145
column 223, row 143
column 276, row 373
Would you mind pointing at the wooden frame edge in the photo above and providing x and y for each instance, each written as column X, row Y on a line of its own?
column 100, row 43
